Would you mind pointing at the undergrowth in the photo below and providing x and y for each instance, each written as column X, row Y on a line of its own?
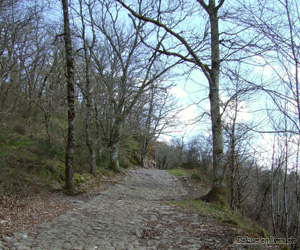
column 220, row 213
column 29, row 163
column 227, row 216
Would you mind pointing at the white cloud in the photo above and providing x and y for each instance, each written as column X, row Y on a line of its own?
column 243, row 114
column 179, row 92
column 186, row 115
column 265, row 146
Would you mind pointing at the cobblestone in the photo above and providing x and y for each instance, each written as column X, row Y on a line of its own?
column 130, row 215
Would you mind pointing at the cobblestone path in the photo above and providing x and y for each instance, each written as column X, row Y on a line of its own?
column 133, row 214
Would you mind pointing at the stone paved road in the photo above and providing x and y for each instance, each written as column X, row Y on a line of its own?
column 130, row 215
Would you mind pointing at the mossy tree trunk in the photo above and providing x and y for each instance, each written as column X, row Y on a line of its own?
column 219, row 190
column 70, row 98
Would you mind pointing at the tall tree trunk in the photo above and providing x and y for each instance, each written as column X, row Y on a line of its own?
column 70, row 98
column 285, row 190
column 232, row 165
column 297, row 223
column 144, row 151
column 235, row 188
column 272, row 192
column 218, row 191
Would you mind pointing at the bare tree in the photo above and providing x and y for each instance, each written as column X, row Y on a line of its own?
column 281, row 79
column 281, row 84
column 191, row 53
column 70, row 97
column 237, row 136
column 147, row 136
column 132, row 70
column 160, row 116
column 85, row 9
column 16, row 55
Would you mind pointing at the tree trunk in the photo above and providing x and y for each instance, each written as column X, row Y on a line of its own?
column 88, row 97
column 272, row 194
column 285, row 191
column 47, row 116
column 144, row 151
column 70, row 98
column 235, row 187
column 147, row 131
column 115, row 144
column 89, row 141
column 232, row 165
column 297, row 223
column 218, row 191
column 98, row 129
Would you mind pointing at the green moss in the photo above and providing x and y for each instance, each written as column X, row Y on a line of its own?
column 83, row 180
column 217, row 195
column 106, row 172
column 178, row 172
column 10, row 139
column 18, row 142
column 59, row 154
column 134, row 161
column 78, row 179
column 283, row 247
column 29, row 160
column 202, row 208
column 54, row 169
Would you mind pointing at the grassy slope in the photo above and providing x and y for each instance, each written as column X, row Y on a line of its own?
column 226, row 216
column 29, row 163
column 27, row 160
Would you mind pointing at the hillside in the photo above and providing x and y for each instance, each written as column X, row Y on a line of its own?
column 32, row 177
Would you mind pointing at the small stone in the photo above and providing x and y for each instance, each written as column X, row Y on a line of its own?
column 23, row 248
column 8, row 239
